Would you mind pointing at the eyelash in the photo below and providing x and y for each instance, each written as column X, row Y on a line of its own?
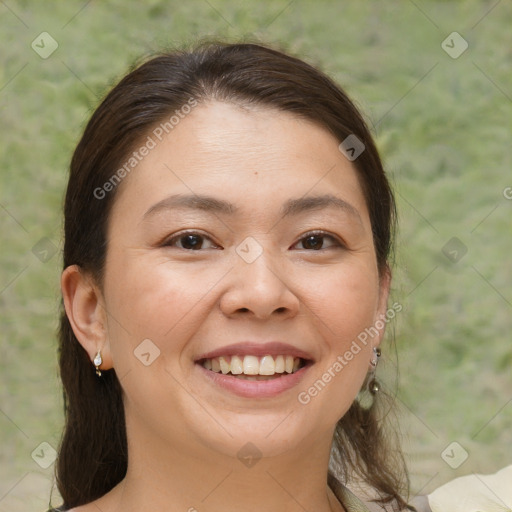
column 322, row 234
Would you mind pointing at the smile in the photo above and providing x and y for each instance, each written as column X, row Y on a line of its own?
column 252, row 367
column 251, row 376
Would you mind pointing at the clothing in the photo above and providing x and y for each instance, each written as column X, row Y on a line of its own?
column 475, row 493
column 350, row 502
column 420, row 503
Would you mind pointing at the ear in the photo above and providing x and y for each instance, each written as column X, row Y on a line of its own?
column 381, row 318
column 84, row 305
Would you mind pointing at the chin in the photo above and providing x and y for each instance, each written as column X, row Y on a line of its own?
column 257, row 437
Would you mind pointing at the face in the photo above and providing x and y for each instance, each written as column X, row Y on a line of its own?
column 248, row 228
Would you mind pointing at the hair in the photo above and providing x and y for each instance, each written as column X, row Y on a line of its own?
column 93, row 456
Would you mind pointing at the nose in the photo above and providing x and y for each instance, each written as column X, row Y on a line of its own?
column 259, row 290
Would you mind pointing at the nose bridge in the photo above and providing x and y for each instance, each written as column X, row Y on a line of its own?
column 259, row 284
column 258, row 268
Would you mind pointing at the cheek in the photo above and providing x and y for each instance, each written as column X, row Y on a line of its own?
column 345, row 309
column 346, row 303
column 154, row 299
column 152, row 315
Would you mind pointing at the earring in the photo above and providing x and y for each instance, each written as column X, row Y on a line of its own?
column 97, row 363
column 375, row 359
column 371, row 387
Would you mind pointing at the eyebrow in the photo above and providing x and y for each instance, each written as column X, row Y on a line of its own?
column 214, row 205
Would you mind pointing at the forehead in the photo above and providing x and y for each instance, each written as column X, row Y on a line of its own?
column 251, row 156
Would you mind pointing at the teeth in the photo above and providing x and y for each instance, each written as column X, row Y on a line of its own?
column 267, row 365
column 288, row 364
column 279, row 364
column 237, row 366
column 224, row 365
column 252, row 365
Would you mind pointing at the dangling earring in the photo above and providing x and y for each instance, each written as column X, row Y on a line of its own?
column 97, row 363
column 371, row 387
column 375, row 359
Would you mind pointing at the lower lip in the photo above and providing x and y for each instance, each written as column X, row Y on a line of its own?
column 255, row 388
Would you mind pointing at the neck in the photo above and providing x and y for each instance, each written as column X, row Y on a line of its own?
column 193, row 478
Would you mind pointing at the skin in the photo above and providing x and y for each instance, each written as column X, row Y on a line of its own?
column 184, row 432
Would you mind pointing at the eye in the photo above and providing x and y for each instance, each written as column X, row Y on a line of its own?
column 315, row 241
column 190, row 241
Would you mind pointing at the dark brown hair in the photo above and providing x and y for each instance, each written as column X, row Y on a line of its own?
column 92, row 456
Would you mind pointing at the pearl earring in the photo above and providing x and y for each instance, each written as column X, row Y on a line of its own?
column 366, row 395
column 375, row 359
column 373, row 385
column 97, row 363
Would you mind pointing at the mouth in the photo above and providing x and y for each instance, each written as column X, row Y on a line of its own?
column 254, row 376
column 254, row 368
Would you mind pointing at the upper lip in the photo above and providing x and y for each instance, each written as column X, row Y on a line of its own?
column 259, row 349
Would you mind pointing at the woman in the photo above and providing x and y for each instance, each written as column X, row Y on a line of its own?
column 228, row 225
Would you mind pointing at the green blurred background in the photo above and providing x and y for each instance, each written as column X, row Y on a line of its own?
column 443, row 123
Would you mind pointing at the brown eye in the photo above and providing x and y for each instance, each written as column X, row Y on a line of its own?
column 315, row 241
column 189, row 241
